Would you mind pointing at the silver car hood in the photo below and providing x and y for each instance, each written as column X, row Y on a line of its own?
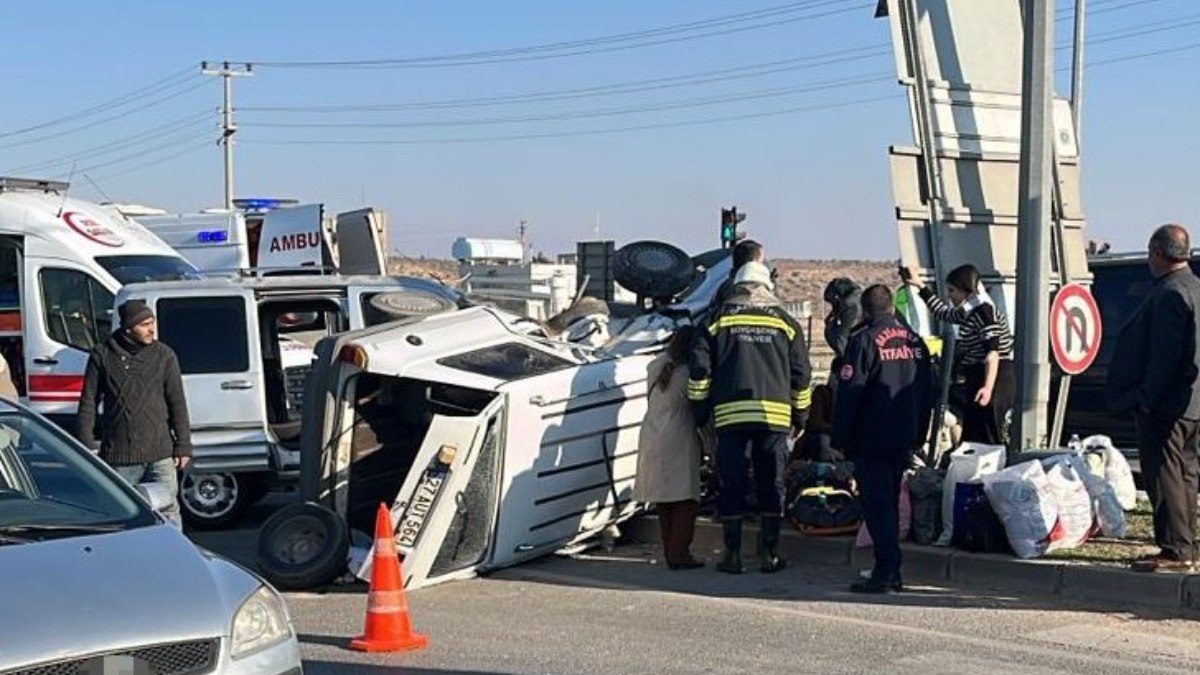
column 83, row 595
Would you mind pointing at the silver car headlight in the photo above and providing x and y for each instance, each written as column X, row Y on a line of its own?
column 261, row 622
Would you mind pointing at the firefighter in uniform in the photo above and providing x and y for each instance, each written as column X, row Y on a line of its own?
column 883, row 409
column 750, row 371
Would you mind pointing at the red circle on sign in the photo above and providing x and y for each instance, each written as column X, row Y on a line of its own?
column 1075, row 328
column 94, row 231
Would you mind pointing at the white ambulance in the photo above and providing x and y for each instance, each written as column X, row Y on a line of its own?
column 62, row 261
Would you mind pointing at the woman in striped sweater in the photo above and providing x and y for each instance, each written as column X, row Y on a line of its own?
column 985, row 379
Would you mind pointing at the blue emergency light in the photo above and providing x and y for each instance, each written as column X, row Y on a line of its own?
column 212, row 236
column 262, row 204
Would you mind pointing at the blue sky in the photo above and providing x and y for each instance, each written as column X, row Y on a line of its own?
column 814, row 182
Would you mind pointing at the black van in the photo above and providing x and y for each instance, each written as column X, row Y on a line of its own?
column 1120, row 283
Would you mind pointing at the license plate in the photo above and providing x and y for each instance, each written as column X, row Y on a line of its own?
column 418, row 510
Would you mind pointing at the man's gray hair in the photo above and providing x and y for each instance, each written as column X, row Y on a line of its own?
column 1171, row 242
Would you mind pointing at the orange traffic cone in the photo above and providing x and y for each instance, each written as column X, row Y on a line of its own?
column 388, row 626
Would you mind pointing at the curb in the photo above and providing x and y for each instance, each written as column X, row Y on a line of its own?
column 1066, row 580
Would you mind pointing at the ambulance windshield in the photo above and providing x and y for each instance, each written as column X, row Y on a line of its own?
column 132, row 269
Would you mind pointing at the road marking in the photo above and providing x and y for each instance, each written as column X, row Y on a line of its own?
column 1121, row 641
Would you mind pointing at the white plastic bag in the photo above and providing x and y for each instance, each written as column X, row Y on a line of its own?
column 1075, row 515
column 1022, row 497
column 1105, row 506
column 968, row 464
column 1116, row 469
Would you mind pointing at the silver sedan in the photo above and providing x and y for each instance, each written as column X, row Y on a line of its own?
column 92, row 579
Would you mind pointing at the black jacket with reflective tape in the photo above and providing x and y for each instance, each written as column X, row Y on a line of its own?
column 750, row 365
column 886, row 390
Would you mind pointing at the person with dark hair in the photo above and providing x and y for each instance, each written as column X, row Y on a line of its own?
column 145, row 434
column 884, row 405
column 746, row 251
column 1155, row 374
column 751, row 373
column 669, row 452
column 984, row 358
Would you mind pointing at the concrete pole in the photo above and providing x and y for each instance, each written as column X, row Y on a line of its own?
column 1034, row 218
column 226, row 72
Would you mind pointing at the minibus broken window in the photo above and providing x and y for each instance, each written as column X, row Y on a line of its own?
column 509, row 361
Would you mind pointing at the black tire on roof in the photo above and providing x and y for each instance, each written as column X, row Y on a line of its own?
column 395, row 305
column 653, row 269
column 303, row 546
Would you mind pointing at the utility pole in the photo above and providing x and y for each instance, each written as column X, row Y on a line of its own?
column 1077, row 69
column 1033, row 254
column 227, row 72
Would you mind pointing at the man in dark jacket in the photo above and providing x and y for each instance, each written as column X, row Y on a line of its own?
column 1155, row 374
column 144, row 431
column 750, row 370
column 884, row 405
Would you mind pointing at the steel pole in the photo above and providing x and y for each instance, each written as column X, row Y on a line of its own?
column 1077, row 69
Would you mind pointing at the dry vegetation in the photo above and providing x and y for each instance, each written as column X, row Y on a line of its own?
column 799, row 280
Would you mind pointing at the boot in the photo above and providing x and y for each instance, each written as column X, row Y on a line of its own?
column 732, row 562
column 768, row 545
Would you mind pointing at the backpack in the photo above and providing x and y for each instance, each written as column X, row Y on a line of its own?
column 822, row 499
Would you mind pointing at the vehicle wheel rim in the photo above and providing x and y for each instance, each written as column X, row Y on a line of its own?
column 210, row 495
column 298, row 541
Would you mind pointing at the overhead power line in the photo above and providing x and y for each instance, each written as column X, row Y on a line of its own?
column 665, row 125
column 736, row 97
column 157, row 160
column 120, row 101
column 654, row 84
column 811, row 61
column 111, row 118
column 714, row 27
column 594, row 132
column 695, row 30
column 188, row 123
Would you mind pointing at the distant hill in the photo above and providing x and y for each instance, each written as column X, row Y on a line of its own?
column 799, row 280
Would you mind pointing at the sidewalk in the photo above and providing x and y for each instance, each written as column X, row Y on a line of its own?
column 1069, row 580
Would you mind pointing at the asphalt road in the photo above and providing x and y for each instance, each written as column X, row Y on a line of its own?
column 620, row 612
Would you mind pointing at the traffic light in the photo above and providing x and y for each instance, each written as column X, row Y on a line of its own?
column 729, row 227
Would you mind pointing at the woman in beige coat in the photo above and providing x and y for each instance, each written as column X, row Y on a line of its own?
column 669, row 452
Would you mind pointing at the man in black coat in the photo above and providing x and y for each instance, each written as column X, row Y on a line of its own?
column 144, row 433
column 1155, row 374
column 884, row 404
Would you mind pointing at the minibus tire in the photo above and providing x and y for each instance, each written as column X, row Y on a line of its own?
column 303, row 546
column 653, row 269
column 212, row 486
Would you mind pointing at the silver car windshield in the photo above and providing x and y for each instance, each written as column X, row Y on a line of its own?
column 50, row 486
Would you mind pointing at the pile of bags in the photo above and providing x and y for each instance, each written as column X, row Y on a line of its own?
column 1029, row 509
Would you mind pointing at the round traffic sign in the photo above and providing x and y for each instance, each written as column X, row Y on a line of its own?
column 1075, row 328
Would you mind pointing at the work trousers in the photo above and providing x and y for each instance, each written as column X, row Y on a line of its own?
column 768, row 454
column 1167, row 450
column 879, row 476
column 677, row 523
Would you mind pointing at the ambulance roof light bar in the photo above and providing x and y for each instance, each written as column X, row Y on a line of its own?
column 13, row 184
